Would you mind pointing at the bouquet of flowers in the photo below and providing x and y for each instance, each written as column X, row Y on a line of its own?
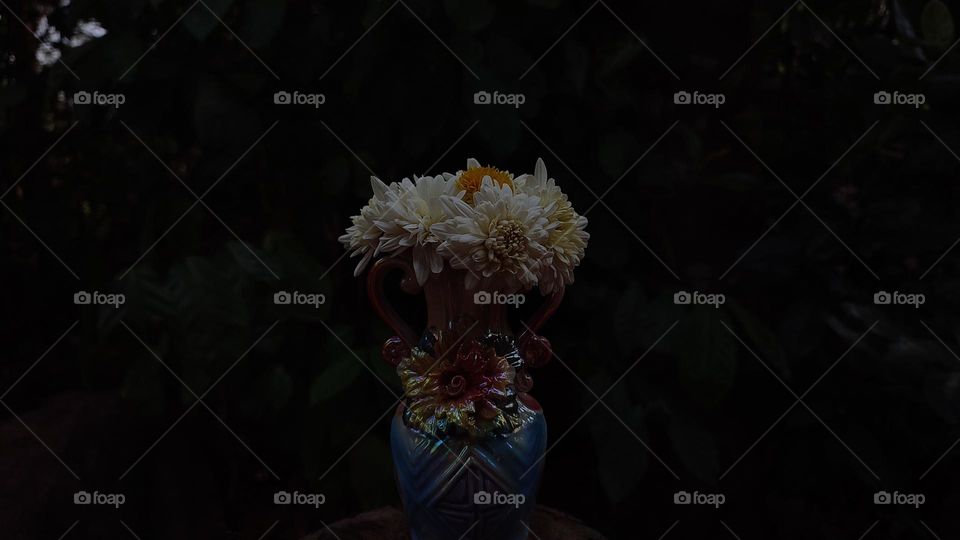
column 509, row 232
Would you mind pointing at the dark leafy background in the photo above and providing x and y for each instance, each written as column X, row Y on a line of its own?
column 397, row 102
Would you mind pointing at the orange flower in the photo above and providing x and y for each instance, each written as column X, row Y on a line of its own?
column 471, row 179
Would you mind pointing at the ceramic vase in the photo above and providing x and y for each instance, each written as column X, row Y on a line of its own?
column 455, row 483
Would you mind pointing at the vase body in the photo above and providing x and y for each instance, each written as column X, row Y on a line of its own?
column 470, row 489
column 473, row 484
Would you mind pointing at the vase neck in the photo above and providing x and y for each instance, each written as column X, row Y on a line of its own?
column 450, row 302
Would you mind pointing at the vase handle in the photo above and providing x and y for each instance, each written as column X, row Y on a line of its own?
column 542, row 315
column 408, row 283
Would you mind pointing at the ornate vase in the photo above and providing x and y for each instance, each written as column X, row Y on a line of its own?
column 468, row 440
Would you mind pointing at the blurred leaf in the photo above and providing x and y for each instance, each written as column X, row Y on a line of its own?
column 942, row 392
column 108, row 317
column 12, row 94
column 336, row 174
column 695, row 447
column 339, row 374
column 760, row 337
column 578, row 64
column 370, row 469
column 617, row 151
column 620, row 466
column 276, row 386
column 374, row 10
column 221, row 119
column 742, row 182
column 630, row 302
column 144, row 384
column 623, row 53
column 500, row 130
column 549, row 4
column 250, row 261
column 511, row 60
column 470, row 16
column 655, row 317
column 200, row 21
column 708, row 354
column 936, row 23
column 260, row 22
column 203, row 289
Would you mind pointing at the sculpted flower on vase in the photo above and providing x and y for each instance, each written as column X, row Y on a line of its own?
column 470, row 391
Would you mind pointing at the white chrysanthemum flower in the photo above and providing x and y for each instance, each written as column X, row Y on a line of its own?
column 509, row 233
column 567, row 239
column 363, row 237
column 412, row 211
column 498, row 239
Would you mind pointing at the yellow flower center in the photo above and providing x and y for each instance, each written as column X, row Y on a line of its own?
column 507, row 240
column 470, row 180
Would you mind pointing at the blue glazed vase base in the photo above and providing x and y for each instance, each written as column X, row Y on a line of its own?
column 470, row 489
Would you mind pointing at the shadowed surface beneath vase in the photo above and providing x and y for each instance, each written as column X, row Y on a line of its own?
column 390, row 524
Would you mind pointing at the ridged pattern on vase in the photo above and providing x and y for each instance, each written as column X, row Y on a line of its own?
column 438, row 481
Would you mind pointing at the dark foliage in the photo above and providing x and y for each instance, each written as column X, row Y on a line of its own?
column 113, row 207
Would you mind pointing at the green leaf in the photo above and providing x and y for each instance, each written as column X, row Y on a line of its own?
column 144, row 384
column 261, row 20
column 760, row 337
column 631, row 301
column 936, row 23
column 622, row 459
column 12, row 94
column 276, row 387
column 221, row 119
column 577, row 64
column 370, row 469
column 708, row 355
column 200, row 21
column 618, row 150
column 250, row 261
column 335, row 377
column 470, row 16
column 335, row 175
